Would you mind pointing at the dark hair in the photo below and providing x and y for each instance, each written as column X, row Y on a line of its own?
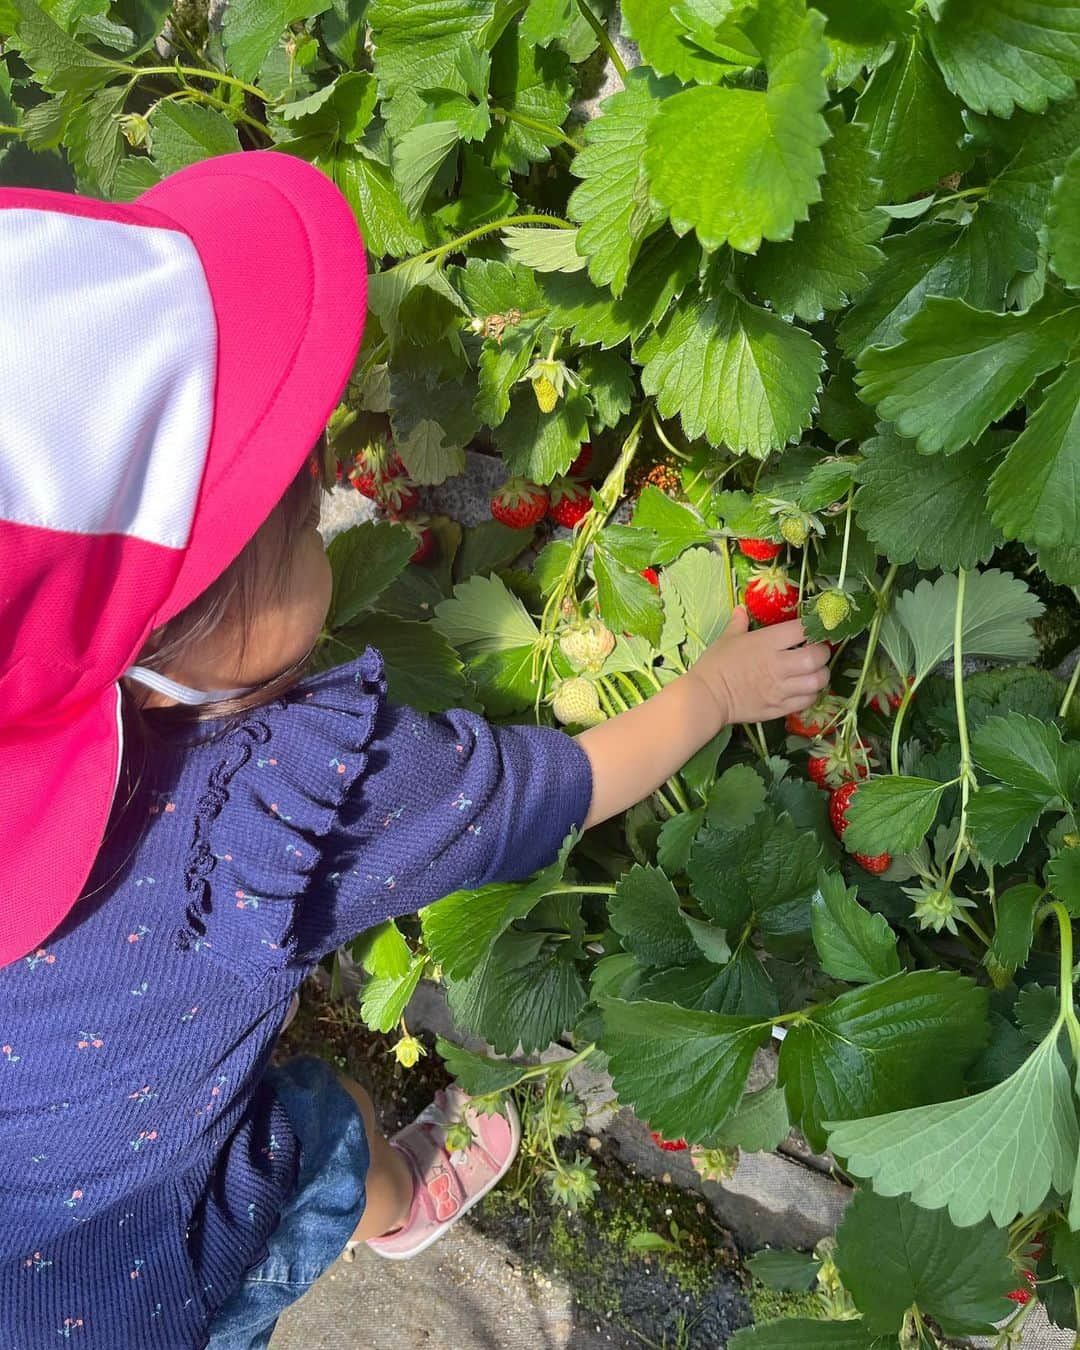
column 235, row 596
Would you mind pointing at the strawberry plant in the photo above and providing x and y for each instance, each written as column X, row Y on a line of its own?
column 798, row 297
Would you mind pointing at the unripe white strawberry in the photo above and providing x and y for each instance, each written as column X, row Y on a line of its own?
column 576, row 703
column 587, row 645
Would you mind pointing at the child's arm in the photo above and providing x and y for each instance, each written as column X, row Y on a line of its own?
column 742, row 677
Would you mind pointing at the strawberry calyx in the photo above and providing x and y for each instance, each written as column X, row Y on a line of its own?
column 818, row 719
column 519, row 503
column 570, row 502
column 831, row 765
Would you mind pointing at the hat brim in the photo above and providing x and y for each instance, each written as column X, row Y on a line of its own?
column 73, row 770
column 286, row 268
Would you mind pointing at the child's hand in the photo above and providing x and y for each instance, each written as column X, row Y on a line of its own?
column 757, row 676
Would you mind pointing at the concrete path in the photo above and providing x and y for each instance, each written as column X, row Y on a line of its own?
column 465, row 1293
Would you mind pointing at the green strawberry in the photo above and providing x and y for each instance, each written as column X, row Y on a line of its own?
column 832, row 607
column 576, row 703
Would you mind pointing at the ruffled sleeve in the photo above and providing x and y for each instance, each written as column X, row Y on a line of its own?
column 336, row 809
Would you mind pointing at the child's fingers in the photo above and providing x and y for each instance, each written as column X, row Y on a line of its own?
column 806, row 660
column 790, row 633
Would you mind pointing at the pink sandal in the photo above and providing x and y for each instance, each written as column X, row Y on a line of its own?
column 448, row 1184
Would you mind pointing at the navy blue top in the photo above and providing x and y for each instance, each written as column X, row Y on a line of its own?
column 143, row 1161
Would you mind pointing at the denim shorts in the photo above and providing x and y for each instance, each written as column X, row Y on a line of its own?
column 319, row 1217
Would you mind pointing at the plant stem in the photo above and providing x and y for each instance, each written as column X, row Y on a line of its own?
column 964, row 192
column 5, row 130
column 217, row 76
column 453, row 245
column 534, row 124
column 662, row 437
column 898, row 722
column 851, row 720
column 1067, row 700
column 802, row 574
column 605, row 42
column 847, row 540
column 213, row 102
column 967, row 774
column 554, row 347
column 1066, row 1015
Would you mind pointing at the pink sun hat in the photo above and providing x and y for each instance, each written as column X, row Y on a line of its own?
column 166, row 365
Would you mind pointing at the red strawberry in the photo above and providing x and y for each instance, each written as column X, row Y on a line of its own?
column 399, row 495
column 580, row 465
column 425, row 545
column 839, row 801
column 1023, row 1295
column 651, row 576
column 570, row 502
column 770, row 597
column 812, row 722
column 829, row 769
column 761, row 550
column 668, row 1145
column 363, row 480
column 519, row 503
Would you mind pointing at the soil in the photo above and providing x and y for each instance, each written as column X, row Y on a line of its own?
column 691, row 1296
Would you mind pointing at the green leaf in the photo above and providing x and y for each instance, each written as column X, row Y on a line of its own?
column 418, row 45
column 664, row 268
column 422, row 669
column 492, row 287
column 792, row 1272
column 998, row 609
column 662, row 40
column 489, row 546
column 1015, row 928
column 383, row 999
column 403, row 297
column 853, row 944
column 418, row 156
column 733, row 372
column 628, row 603
column 758, row 1124
column 185, row 133
column 534, row 83
column 695, row 584
column 1063, row 878
column 832, row 255
column 93, row 139
column 711, row 941
column 675, row 525
column 998, row 55
column 364, row 561
column 495, row 635
column 976, row 262
column 460, row 928
column 892, row 814
column 525, row 992
column 900, row 1043
column 682, row 1071
column 797, row 1333
column 951, row 527
column 251, row 27
column 369, row 189
column 59, row 62
column 543, row 249
column 540, row 445
column 933, row 383
column 610, row 384
column 612, row 204
column 767, row 176
column 676, row 837
column 500, row 366
column 1028, row 754
column 742, row 987
column 433, row 420
column 997, row 1153
column 892, row 1255
column 645, row 912
column 1063, row 235
column 735, row 798
column 382, row 951
column 479, row 1075
column 915, row 124
column 760, row 868
column 1000, row 820
column 1033, row 491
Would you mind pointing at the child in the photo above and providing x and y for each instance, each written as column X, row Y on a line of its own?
column 190, row 825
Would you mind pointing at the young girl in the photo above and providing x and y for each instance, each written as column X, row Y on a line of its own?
column 189, row 825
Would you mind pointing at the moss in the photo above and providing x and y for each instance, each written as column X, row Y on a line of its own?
column 769, row 1304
